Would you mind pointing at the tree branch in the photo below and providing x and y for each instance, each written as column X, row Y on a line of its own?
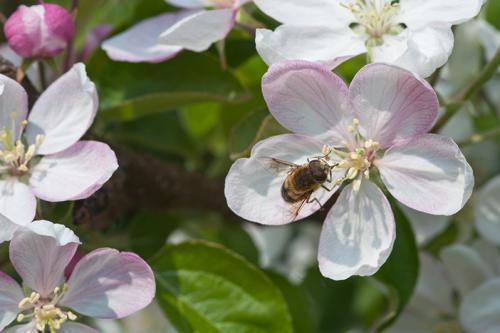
column 483, row 77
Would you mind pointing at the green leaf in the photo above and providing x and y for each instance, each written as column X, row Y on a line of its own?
column 149, row 231
column 399, row 274
column 130, row 91
column 204, row 287
column 299, row 304
column 258, row 126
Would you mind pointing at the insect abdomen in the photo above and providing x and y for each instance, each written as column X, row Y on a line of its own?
column 298, row 185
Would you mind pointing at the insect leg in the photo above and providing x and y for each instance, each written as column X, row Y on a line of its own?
column 309, row 200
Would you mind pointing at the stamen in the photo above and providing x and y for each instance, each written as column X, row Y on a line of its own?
column 374, row 19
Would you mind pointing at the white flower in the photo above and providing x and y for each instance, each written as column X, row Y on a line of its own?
column 460, row 293
column 41, row 155
column 378, row 125
column 194, row 28
column 413, row 34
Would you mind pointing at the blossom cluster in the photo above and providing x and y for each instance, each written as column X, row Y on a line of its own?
column 370, row 146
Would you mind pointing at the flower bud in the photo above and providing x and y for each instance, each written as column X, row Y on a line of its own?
column 40, row 31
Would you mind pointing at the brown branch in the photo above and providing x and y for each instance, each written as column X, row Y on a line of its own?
column 144, row 182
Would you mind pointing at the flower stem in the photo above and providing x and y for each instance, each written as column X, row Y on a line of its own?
column 480, row 137
column 483, row 77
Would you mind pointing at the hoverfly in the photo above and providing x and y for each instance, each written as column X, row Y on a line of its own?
column 303, row 180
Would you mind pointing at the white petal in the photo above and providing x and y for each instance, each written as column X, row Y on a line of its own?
column 465, row 267
column 10, row 296
column 392, row 104
column 307, row 98
column 109, row 284
column 188, row 3
column 428, row 174
column 358, row 233
column 64, row 112
column 69, row 327
column 434, row 293
column 13, row 101
column 425, row 226
column 7, row 229
column 490, row 38
column 313, row 43
column 198, row 31
column 418, row 14
column 40, row 253
column 487, row 211
column 393, row 47
column 17, row 201
column 489, row 252
column 141, row 42
column 480, row 309
column 428, row 49
column 307, row 12
column 75, row 173
column 253, row 187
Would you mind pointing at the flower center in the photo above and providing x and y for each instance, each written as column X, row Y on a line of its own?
column 14, row 154
column 45, row 312
column 374, row 19
column 356, row 161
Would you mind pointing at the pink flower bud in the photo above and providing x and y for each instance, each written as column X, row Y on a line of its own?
column 39, row 31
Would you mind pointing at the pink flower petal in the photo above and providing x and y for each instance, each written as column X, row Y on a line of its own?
column 307, row 98
column 10, row 296
column 141, row 42
column 311, row 43
column 196, row 32
column 253, row 186
column 75, row 173
column 64, row 112
column 40, row 253
column 392, row 104
column 17, row 201
column 69, row 327
column 358, row 233
column 109, row 284
column 429, row 174
column 13, row 100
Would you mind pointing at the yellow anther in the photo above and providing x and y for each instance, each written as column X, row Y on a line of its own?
column 39, row 140
column 25, row 301
column 355, row 122
column 71, row 315
column 20, row 317
column 22, row 168
column 367, row 173
column 352, row 173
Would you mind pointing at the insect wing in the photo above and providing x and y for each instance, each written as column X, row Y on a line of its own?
column 277, row 165
column 294, row 209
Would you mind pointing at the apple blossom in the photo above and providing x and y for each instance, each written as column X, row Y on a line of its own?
column 197, row 26
column 458, row 293
column 414, row 34
column 40, row 155
column 105, row 283
column 39, row 31
column 377, row 126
